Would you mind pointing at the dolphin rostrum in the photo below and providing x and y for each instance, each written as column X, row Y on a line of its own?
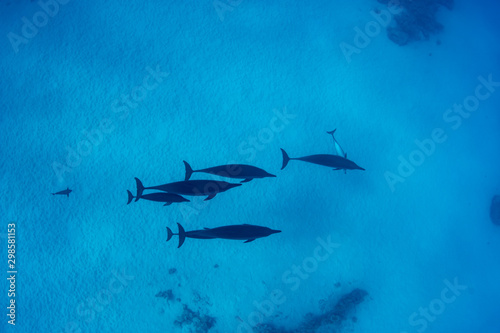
column 246, row 232
column 167, row 198
column 334, row 161
column 239, row 171
column 66, row 192
column 210, row 188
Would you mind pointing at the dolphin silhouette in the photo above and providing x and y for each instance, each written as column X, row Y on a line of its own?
column 239, row 171
column 63, row 192
column 337, row 162
column 338, row 148
column 189, row 187
column 246, row 232
column 168, row 198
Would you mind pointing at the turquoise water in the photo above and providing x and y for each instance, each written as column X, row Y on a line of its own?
column 100, row 93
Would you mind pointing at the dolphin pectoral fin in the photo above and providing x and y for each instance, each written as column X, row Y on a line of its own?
column 206, row 228
column 167, row 204
column 250, row 240
column 211, row 196
column 246, row 180
column 336, row 169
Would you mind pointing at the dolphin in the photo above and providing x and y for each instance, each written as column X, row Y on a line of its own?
column 337, row 162
column 189, row 187
column 246, row 232
column 338, row 148
column 168, row 198
column 240, row 171
column 64, row 192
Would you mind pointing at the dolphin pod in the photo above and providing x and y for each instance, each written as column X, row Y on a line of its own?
column 173, row 192
column 246, row 232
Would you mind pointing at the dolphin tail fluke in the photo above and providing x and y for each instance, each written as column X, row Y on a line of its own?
column 286, row 159
column 331, row 132
column 140, row 189
column 189, row 170
column 130, row 197
column 170, row 234
column 182, row 235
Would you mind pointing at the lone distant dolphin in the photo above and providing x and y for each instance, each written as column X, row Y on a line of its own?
column 63, row 192
column 239, row 171
column 189, row 187
column 246, row 232
column 168, row 198
column 334, row 161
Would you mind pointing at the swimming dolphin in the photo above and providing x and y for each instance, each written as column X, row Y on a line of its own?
column 168, row 198
column 64, row 192
column 246, row 232
column 337, row 162
column 240, row 171
column 189, row 187
column 338, row 149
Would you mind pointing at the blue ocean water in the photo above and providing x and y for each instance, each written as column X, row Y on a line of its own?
column 96, row 94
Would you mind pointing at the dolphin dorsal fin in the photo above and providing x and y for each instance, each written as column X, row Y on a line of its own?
column 206, row 228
